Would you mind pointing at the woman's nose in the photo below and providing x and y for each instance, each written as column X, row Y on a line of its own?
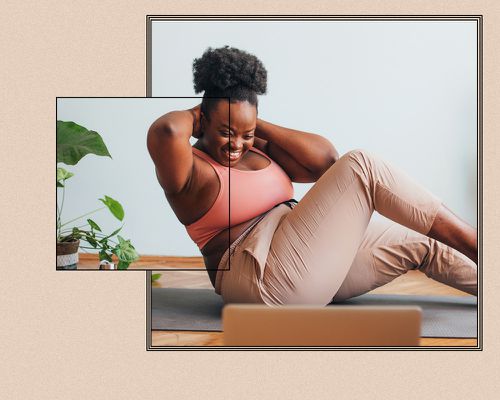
column 236, row 144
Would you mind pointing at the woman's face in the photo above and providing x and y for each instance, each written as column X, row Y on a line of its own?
column 227, row 143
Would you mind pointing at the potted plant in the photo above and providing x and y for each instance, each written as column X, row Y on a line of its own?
column 73, row 143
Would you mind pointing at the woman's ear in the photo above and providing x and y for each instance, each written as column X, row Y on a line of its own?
column 203, row 122
column 197, row 122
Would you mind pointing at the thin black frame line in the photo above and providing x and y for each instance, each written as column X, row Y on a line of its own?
column 140, row 97
column 313, row 347
column 480, row 177
column 148, row 310
column 306, row 348
column 149, row 58
column 149, row 51
column 143, row 269
column 182, row 17
column 478, row 19
column 201, row 19
column 229, row 204
column 478, row 207
column 325, row 20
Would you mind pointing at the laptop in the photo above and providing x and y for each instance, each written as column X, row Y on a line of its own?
column 334, row 325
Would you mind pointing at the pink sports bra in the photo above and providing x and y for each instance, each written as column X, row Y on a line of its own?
column 251, row 193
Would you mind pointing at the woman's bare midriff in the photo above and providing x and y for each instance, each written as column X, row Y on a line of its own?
column 214, row 250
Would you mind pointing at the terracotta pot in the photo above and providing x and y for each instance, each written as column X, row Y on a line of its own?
column 67, row 255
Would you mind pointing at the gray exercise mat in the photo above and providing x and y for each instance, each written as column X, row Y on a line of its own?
column 200, row 310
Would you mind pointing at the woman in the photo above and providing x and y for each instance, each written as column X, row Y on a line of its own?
column 232, row 190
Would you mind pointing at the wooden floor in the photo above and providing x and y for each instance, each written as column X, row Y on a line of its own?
column 412, row 283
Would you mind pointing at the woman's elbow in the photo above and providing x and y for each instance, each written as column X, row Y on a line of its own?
column 329, row 159
column 333, row 156
column 327, row 163
column 330, row 153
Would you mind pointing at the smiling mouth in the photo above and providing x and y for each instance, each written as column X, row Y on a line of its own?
column 233, row 155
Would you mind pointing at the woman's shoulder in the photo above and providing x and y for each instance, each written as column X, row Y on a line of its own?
column 199, row 194
column 204, row 161
column 260, row 145
column 173, row 121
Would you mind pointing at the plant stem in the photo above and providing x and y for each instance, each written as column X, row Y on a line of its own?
column 81, row 226
column 59, row 214
column 91, row 248
column 85, row 247
column 83, row 238
column 71, row 230
column 97, row 234
column 58, row 219
column 62, row 205
column 81, row 216
column 112, row 242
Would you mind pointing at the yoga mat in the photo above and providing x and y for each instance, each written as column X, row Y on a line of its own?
column 200, row 310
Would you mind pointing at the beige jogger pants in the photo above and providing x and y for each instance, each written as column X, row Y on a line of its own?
column 326, row 248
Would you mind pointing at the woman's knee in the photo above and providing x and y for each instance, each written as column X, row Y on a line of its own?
column 357, row 160
column 360, row 155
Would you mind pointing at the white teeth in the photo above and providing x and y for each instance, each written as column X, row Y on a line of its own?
column 233, row 155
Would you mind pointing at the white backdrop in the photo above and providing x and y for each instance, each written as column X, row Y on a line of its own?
column 403, row 90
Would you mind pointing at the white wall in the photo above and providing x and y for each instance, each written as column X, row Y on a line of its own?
column 403, row 90
column 128, row 177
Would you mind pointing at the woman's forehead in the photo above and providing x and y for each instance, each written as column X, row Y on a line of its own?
column 240, row 114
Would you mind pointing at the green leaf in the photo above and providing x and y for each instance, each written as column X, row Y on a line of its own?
column 74, row 142
column 62, row 175
column 113, row 206
column 93, row 225
column 122, row 264
column 91, row 241
column 112, row 234
column 104, row 256
column 125, row 252
column 155, row 277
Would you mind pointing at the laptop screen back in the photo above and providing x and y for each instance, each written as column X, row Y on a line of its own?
column 260, row 325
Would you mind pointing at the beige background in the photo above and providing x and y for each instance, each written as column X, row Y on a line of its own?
column 82, row 335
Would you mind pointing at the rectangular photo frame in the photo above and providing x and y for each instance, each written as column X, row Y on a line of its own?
column 380, row 78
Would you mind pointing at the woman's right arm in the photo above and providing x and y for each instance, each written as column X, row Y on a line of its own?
column 169, row 147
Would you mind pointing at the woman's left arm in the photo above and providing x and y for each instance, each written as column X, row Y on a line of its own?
column 303, row 156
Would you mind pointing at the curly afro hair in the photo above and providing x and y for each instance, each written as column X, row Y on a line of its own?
column 228, row 72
